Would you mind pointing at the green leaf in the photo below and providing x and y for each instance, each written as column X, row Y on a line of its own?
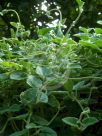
column 19, row 133
column 81, row 4
column 98, row 30
column 46, row 131
column 12, row 108
column 4, row 76
column 89, row 121
column 13, row 34
column 75, row 66
column 88, row 44
column 32, row 125
column 83, row 36
column 43, row 71
column 52, row 101
column 1, row 13
column 11, row 65
column 42, row 97
column 20, row 117
column 68, row 85
column 99, row 22
column 18, row 75
column 59, row 30
column 39, row 120
column 14, row 24
column 72, row 121
column 83, row 29
column 98, row 43
column 79, row 85
column 44, row 31
column 29, row 96
column 34, row 81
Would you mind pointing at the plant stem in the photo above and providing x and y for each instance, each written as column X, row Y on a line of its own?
column 58, row 11
column 88, row 77
column 73, row 23
column 11, row 10
column 53, row 117
column 15, row 13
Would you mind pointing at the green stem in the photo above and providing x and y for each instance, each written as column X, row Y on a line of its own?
column 54, row 117
column 4, row 127
column 88, row 77
column 58, row 11
column 73, row 23
column 11, row 10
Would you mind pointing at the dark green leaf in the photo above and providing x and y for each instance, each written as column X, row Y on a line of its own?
column 46, row 131
column 19, row 133
column 4, row 76
column 32, row 125
column 12, row 108
column 72, row 121
column 34, row 81
column 89, row 121
column 42, row 97
column 20, row 117
column 18, row 75
column 39, row 120
column 68, row 85
column 53, row 101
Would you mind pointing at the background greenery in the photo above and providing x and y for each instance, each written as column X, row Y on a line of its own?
column 30, row 13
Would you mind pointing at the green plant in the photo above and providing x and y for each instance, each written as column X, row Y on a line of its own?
column 50, row 81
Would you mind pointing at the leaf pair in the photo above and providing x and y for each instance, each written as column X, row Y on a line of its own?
column 74, row 122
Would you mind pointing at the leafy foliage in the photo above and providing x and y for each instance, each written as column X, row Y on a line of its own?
column 52, row 83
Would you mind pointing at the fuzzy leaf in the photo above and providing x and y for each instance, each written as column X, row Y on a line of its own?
column 34, row 82
column 72, row 121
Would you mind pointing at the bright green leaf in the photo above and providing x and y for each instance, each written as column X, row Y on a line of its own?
column 99, row 22
column 14, row 24
column 81, row 4
column 98, row 30
column 29, row 96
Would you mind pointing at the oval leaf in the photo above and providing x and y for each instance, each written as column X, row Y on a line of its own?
column 18, row 75
column 34, row 82
column 46, row 131
column 72, row 121
column 89, row 121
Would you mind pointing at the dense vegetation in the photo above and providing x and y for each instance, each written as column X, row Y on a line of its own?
column 51, row 86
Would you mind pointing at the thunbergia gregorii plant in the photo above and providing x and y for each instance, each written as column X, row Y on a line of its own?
column 49, row 86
